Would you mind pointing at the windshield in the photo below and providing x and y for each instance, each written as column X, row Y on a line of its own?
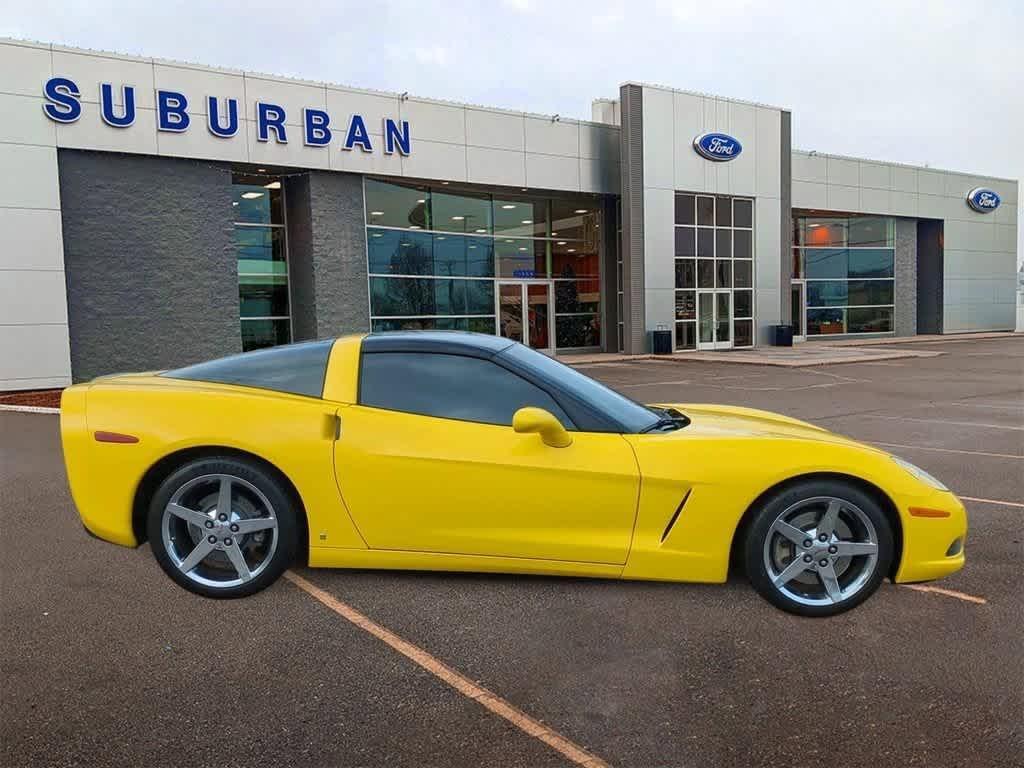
column 631, row 415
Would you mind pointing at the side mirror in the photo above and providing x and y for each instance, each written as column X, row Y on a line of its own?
column 544, row 424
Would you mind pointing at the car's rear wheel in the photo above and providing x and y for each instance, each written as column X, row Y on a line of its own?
column 818, row 547
column 222, row 527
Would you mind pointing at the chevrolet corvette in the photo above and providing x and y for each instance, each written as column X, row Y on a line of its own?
column 465, row 452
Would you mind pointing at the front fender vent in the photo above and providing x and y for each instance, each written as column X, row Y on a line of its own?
column 675, row 516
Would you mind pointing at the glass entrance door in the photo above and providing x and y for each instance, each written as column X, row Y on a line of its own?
column 714, row 319
column 524, row 313
column 798, row 299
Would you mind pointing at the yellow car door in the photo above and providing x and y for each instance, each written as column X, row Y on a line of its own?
column 428, row 461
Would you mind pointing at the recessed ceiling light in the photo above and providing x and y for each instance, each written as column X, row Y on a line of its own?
column 252, row 195
column 377, row 234
column 234, row 202
column 814, row 225
column 554, row 234
column 421, row 200
column 376, row 213
column 508, row 206
column 440, row 237
column 581, row 210
column 261, row 170
column 272, row 185
column 481, row 230
column 414, row 226
column 406, row 245
column 572, row 250
column 522, row 249
column 524, row 189
column 561, row 242
column 527, row 221
column 444, row 183
column 458, row 218
column 472, row 247
column 510, row 241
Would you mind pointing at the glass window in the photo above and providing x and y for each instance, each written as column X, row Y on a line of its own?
column 705, row 243
column 263, row 295
column 397, row 296
column 686, row 305
column 461, row 255
column 743, row 213
column 743, row 303
column 395, row 252
column 823, row 232
column 686, row 335
column 825, row 321
column 573, row 220
column 871, row 262
column 686, row 242
column 685, row 209
column 574, row 296
column 723, row 212
column 824, row 263
column 706, row 273
column 261, row 257
column 723, row 273
column 686, row 273
column 296, row 368
column 577, row 331
column 449, row 387
column 569, row 259
column 743, row 274
column 629, row 414
column 521, row 217
column 253, row 202
column 260, row 250
column 474, row 324
column 742, row 244
column 464, row 212
column 260, row 334
column 743, row 333
column 521, row 258
column 871, row 231
column 397, row 205
column 706, row 211
column 869, row 320
column 868, row 292
column 723, row 243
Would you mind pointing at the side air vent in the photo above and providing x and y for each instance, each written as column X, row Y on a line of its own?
column 675, row 516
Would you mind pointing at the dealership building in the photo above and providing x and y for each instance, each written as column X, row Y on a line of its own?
column 156, row 213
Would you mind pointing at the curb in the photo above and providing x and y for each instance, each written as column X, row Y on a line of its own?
column 28, row 409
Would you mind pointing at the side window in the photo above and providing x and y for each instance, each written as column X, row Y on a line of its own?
column 449, row 387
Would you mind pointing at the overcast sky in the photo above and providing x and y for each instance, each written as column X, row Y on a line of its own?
column 936, row 82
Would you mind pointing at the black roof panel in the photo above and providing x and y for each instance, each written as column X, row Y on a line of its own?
column 438, row 342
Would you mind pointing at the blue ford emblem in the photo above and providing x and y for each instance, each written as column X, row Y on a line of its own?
column 717, row 146
column 983, row 200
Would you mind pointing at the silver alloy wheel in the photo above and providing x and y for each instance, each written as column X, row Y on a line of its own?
column 821, row 551
column 219, row 530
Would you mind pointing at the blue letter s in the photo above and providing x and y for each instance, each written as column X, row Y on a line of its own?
column 62, row 100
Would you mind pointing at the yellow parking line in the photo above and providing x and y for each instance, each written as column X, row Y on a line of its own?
column 950, row 450
column 947, row 593
column 459, row 682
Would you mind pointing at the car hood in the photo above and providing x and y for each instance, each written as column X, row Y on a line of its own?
column 735, row 421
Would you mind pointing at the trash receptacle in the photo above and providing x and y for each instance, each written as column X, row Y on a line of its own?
column 782, row 335
column 661, row 341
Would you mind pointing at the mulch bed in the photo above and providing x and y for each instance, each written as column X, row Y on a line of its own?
column 47, row 398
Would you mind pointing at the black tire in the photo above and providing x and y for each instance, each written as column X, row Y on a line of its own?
column 249, row 476
column 861, row 516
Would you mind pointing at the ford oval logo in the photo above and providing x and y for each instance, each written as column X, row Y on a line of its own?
column 717, row 146
column 983, row 200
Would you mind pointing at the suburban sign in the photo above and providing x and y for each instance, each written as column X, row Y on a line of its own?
column 717, row 146
column 983, row 200
column 63, row 105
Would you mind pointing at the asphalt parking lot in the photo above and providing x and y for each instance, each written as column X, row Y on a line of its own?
column 106, row 662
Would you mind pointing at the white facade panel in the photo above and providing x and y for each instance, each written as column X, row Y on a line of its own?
column 357, row 161
column 291, row 95
column 25, row 67
column 24, row 121
column 90, row 132
column 34, row 357
column 436, row 160
column 35, row 168
column 89, row 70
column 495, row 166
column 495, row 130
column 552, row 137
column 200, row 143
column 551, row 172
column 30, row 238
column 200, row 84
column 32, row 297
column 343, row 104
column 659, row 138
column 434, row 122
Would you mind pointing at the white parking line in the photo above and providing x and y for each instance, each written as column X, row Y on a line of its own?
column 947, row 593
column 941, row 421
column 997, row 502
column 459, row 682
column 949, row 450
column 28, row 409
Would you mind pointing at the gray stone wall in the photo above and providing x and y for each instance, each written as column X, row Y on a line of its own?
column 905, row 322
column 327, row 254
column 152, row 277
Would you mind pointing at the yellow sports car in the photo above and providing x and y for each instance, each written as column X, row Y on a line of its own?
column 465, row 452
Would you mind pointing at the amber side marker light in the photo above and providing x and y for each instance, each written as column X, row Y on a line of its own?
column 114, row 437
column 925, row 512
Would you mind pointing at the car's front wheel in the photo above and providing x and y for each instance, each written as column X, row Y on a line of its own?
column 818, row 547
column 222, row 527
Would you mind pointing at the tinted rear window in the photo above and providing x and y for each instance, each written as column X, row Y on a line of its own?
column 295, row 368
